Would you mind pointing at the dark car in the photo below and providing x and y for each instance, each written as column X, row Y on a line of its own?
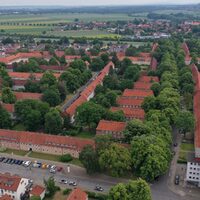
column 20, row 162
column 6, row 160
column 2, row 159
column 175, row 144
column 99, row 188
column 177, row 180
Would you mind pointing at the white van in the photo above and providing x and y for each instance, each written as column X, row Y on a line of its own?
column 27, row 163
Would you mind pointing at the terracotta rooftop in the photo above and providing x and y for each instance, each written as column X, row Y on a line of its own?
column 126, row 101
column 44, row 139
column 185, row 49
column 88, row 90
column 77, row 194
column 142, row 85
column 9, row 182
column 113, row 126
column 37, row 190
column 136, row 93
column 26, row 75
column 9, row 107
column 130, row 112
column 27, row 95
column 149, row 79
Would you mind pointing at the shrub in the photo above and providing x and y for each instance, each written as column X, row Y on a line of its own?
column 66, row 158
column 66, row 191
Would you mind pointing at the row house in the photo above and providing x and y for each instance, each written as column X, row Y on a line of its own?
column 37, row 191
column 10, row 109
column 43, row 143
column 12, row 186
column 148, row 79
column 130, row 113
column 20, row 78
column 88, row 92
column 113, row 128
column 137, row 94
column 154, row 64
column 126, row 102
column 139, row 85
column 140, row 60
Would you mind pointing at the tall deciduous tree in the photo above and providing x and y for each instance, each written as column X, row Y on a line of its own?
column 8, row 95
column 53, row 122
column 5, row 120
column 116, row 160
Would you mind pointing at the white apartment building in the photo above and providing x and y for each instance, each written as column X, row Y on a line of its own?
column 193, row 173
column 13, row 186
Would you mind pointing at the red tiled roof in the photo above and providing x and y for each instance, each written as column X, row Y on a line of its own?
column 59, row 53
column 185, row 49
column 113, row 126
column 54, row 67
column 196, row 105
column 130, row 112
column 136, row 59
column 8, row 182
column 27, row 95
column 142, row 85
column 37, row 190
column 26, row 75
column 44, row 139
column 5, row 197
column 68, row 57
column 88, row 90
column 77, row 194
column 125, row 101
column 149, row 79
column 154, row 47
column 137, row 93
column 9, row 107
column 154, row 64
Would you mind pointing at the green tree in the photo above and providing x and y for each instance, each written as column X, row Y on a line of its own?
column 52, row 97
column 48, row 79
column 156, row 88
column 35, row 198
column 53, row 61
column 8, row 96
column 53, row 122
column 32, row 121
column 135, row 128
column 137, row 189
column 185, row 121
column 97, row 64
column 116, row 160
column 132, row 73
column 89, row 159
column 5, row 119
column 89, row 114
column 50, row 186
column 78, row 64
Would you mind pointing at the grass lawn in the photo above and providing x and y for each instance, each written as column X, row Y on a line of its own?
column 182, row 157
column 187, row 147
column 15, row 152
column 86, row 135
column 77, row 162
column 44, row 156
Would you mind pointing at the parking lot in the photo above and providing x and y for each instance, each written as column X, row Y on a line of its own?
column 38, row 171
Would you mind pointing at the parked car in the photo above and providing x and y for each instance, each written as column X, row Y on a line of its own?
column 2, row 159
column 26, row 163
column 99, row 188
column 59, row 169
column 63, row 181
column 177, row 180
column 72, row 183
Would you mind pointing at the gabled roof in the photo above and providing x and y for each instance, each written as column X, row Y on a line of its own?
column 142, row 85
column 114, row 126
column 9, row 107
column 77, row 194
column 149, row 79
column 34, row 138
column 123, row 101
column 9, row 182
column 130, row 112
column 137, row 93
column 27, row 75
column 5, row 197
column 27, row 95
column 37, row 190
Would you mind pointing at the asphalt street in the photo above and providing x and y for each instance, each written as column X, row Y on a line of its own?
column 160, row 190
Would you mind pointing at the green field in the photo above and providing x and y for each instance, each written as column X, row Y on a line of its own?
column 59, row 17
column 15, row 152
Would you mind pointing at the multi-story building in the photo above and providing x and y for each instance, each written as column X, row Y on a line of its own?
column 12, row 186
column 193, row 173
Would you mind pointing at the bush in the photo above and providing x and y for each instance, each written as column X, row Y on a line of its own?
column 66, row 158
column 66, row 191
column 97, row 196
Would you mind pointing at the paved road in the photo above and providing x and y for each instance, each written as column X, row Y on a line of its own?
column 160, row 190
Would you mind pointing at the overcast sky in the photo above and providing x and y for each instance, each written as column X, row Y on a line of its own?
column 92, row 2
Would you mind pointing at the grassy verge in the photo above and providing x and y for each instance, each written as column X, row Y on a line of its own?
column 19, row 127
column 85, row 134
column 187, row 147
column 77, row 162
column 15, row 152
column 44, row 156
